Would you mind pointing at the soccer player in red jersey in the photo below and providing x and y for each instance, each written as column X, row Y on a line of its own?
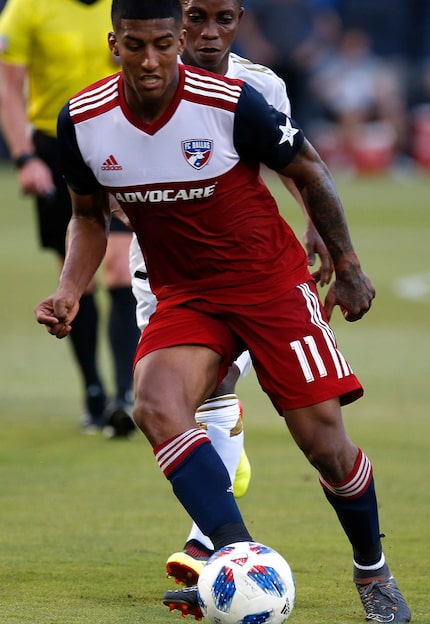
column 211, row 26
column 189, row 145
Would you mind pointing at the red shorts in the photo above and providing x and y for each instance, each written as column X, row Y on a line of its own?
column 293, row 348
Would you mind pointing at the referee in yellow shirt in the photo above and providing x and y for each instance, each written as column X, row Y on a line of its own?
column 49, row 50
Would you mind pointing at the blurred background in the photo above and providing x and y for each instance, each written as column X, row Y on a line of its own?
column 357, row 73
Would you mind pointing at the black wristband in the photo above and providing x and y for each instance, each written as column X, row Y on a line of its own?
column 23, row 159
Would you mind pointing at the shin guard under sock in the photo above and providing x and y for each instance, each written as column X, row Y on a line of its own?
column 201, row 483
column 354, row 501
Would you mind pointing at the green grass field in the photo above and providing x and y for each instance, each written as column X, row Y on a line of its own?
column 86, row 524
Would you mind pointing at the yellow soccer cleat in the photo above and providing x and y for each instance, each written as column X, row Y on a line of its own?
column 243, row 476
column 185, row 566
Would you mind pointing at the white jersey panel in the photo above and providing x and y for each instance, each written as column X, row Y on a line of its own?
column 167, row 160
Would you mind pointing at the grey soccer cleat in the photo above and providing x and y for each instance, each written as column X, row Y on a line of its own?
column 383, row 602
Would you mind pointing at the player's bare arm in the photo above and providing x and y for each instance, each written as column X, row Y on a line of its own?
column 34, row 176
column 314, row 246
column 312, row 241
column 86, row 245
column 352, row 290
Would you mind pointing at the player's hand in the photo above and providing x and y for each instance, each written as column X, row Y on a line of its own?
column 56, row 313
column 315, row 245
column 35, row 178
column 353, row 293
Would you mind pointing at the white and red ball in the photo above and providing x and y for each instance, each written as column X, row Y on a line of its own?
column 246, row 583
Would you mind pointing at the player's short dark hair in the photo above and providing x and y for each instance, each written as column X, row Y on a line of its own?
column 145, row 10
column 185, row 3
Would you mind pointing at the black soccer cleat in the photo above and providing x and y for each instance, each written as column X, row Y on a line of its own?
column 184, row 600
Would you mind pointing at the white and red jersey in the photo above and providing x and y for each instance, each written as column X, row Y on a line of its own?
column 190, row 183
column 269, row 84
column 274, row 91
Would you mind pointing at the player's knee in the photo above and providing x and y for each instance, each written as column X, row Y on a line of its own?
column 228, row 384
column 152, row 415
column 333, row 459
column 321, row 455
column 148, row 414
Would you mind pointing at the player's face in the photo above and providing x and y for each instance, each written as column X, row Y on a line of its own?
column 211, row 27
column 148, row 50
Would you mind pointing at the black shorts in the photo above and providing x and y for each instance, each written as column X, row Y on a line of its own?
column 54, row 211
column 118, row 226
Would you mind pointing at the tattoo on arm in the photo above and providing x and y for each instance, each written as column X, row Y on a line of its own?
column 323, row 202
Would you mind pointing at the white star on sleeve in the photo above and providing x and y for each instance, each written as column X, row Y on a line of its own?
column 288, row 133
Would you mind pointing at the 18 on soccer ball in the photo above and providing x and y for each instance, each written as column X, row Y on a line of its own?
column 246, row 583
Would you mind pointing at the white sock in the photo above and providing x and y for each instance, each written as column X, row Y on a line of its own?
column 375, row 566
column 220, row 416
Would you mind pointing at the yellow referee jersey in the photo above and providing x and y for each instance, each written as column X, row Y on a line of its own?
column 63, row 43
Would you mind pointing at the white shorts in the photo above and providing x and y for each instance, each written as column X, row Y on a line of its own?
column 146, row 301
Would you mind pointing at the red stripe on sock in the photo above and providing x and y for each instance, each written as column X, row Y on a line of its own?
column 171, row 453
column 356, row 483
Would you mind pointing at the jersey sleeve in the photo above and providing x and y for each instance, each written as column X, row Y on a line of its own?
column 263, row 133
column 279, row 98
column 76, row 172
column 16, row 27
column 262, row 78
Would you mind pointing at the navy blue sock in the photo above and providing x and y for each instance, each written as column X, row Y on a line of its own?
column 354, row 501
column 123, row 336
column 201, row 483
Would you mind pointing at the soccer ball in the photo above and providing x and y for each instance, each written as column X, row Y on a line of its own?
column 246, row 583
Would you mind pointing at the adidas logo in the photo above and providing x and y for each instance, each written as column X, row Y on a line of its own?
column 111, row 164
column 240, row 560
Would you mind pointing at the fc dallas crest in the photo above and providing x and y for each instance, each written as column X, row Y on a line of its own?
column 197, row 152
